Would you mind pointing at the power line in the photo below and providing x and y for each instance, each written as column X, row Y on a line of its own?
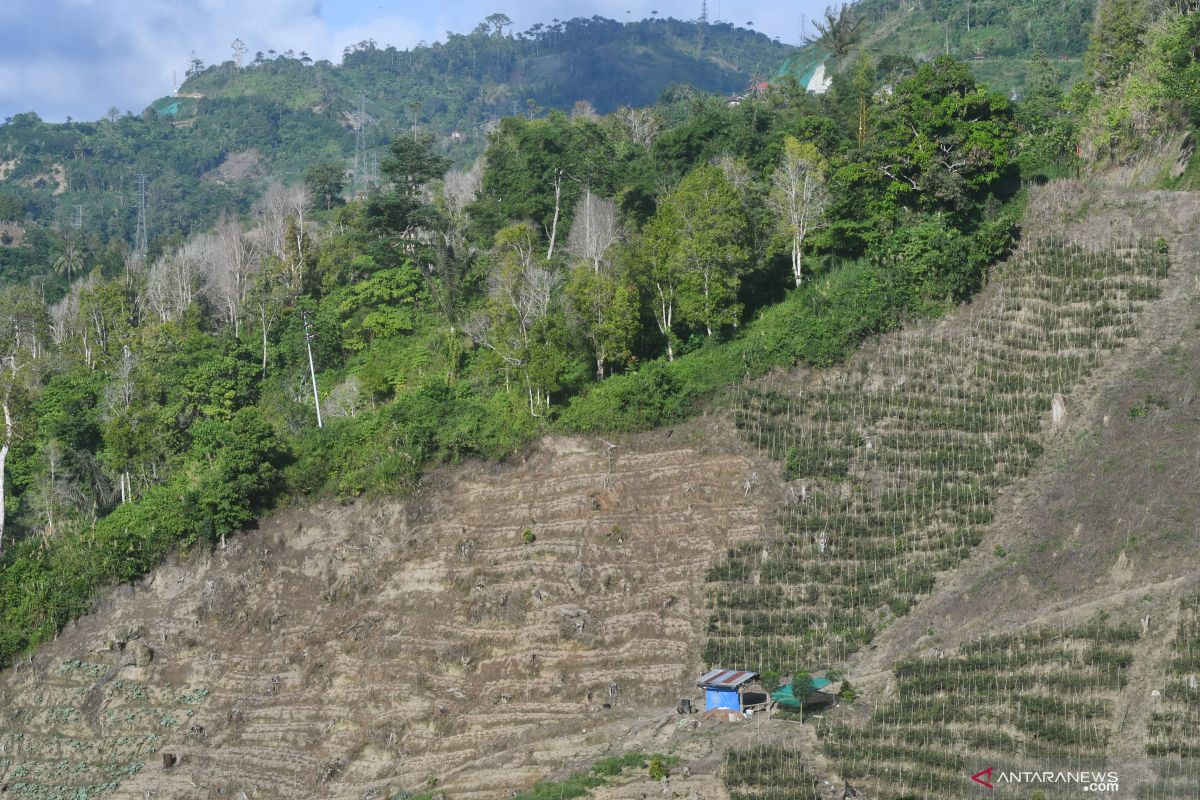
column 361, row 165
column 140, row 244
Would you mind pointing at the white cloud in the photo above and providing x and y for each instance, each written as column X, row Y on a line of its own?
column 78, row 57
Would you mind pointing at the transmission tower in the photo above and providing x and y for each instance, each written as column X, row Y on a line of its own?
column 703, row 20
column 360, row 147
column 77, row 223
column 140, row 244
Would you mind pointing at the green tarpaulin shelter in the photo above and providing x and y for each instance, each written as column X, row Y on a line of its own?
column 784, row 697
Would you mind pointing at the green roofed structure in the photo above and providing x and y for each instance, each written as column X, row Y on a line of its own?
column 784, row 698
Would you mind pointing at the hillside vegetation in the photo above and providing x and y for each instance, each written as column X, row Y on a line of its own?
column 998, row 38
column 887, row 301
column 213, row 147
column 597, row 274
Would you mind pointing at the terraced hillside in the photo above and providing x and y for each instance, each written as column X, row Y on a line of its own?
column 503, row 622
column 1050, row 643
column 897, row 459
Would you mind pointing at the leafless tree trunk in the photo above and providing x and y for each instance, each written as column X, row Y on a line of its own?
column 521, row 292
column 174, row 280
column 4, row 447
column 262, row 316
column 460, row 187
column 232, row 270
column 120, row 396
column 558, row 179
column 642, row 124
column 799, row 197
column 278, row 204
column 596, row 228
column 666, row 314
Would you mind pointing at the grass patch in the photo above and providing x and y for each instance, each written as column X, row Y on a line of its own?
column 579, row 784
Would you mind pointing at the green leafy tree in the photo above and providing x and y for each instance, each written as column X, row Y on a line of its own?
column 942, row 141
column 1115, row 39
column 802, row 687
column 326, row 181
column 692, row 255
column 401, row 216
column 382, row 306
column 242, row 456
column 799, row 197
column 1047, row 131
column 606, row 309
column 1176, row 51
column 411, row 163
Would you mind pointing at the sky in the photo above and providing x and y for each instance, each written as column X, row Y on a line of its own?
column 78, row 58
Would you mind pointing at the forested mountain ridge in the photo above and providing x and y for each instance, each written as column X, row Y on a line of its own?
column 213, row 147
column 492, row 72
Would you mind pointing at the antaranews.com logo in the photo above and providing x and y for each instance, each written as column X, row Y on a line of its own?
column 1084, row 780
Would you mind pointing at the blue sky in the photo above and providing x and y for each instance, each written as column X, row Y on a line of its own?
column 77, row 58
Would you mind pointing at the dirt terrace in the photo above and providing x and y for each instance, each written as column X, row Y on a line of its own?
column 351, row 651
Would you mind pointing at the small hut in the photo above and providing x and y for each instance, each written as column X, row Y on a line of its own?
column 823, row 693
column 724, row 688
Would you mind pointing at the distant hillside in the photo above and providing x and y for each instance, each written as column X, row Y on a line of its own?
column 997, row 37
column 468, row 79
column 211, row 147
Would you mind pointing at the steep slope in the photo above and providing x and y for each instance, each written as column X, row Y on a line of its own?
column 1063, row 637
column 353, row 651
column 1002, row 587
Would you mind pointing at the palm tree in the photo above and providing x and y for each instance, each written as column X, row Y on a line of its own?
column 71, row 260
column 839, row 33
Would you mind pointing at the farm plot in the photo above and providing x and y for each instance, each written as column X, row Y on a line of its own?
column 84, row 731
column 896, row 460
column 1038, row 699
column 1174, row 724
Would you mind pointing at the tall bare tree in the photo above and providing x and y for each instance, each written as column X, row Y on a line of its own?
column 521, row 290
column 119, row 397
column 642, row 124
column 175, row 279
column 230, row 273
column 595, row 230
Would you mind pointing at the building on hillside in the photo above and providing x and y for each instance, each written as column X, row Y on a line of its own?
column 725, row 688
